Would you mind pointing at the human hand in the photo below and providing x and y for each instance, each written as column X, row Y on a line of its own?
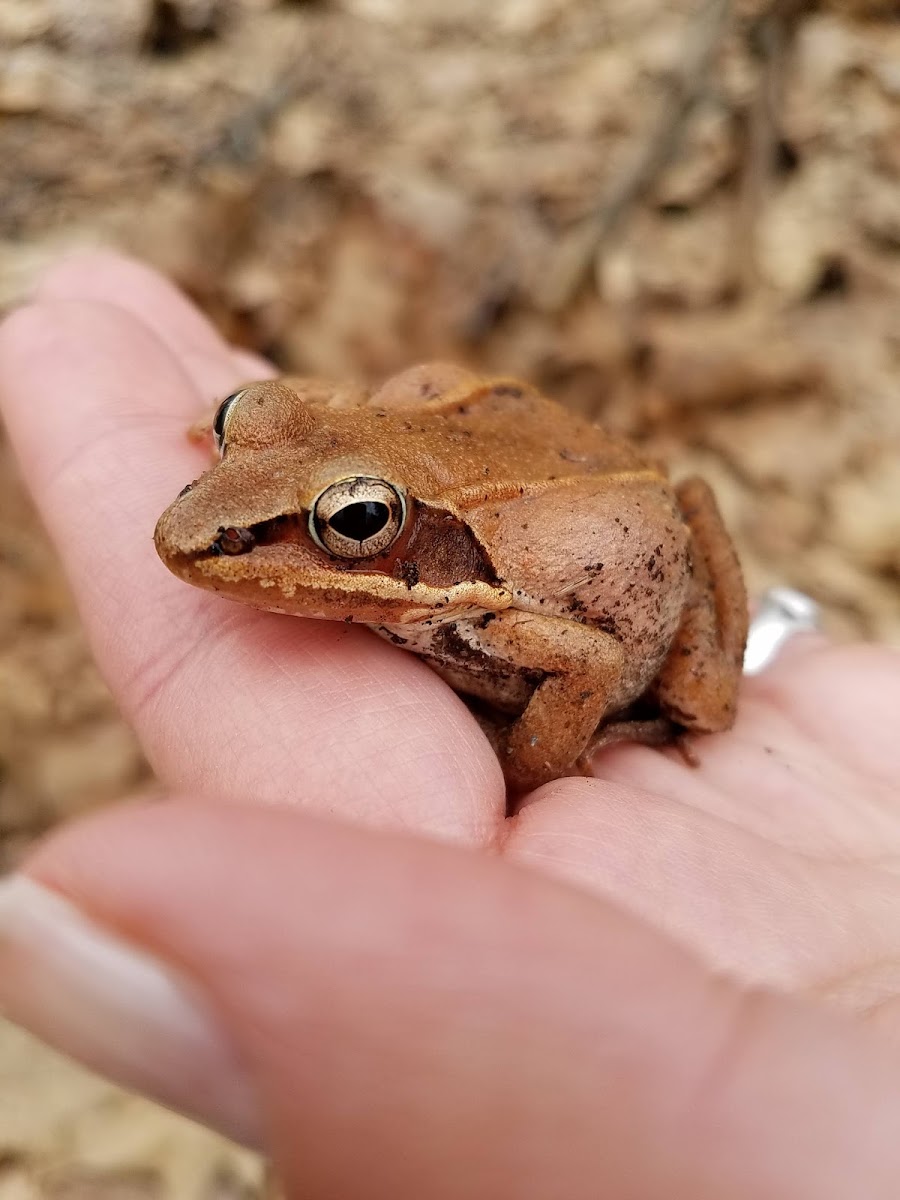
column 773, row 860
column 389, row 1017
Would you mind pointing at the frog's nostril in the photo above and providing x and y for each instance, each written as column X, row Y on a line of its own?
column 233, row 541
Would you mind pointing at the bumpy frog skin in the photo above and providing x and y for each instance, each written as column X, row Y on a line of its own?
column 543, row 569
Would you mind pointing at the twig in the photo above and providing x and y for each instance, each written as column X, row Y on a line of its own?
column 579, row 249
column 771, row 36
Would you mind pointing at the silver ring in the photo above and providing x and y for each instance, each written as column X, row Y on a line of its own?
column 782, row 612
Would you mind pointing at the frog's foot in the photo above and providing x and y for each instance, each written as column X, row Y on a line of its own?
column 658, row 731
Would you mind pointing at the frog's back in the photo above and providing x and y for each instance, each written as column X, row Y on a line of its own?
column 446, row 433
column 494, row 436
column 525, row 435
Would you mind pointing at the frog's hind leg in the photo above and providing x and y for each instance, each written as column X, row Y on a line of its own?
column 698, row 684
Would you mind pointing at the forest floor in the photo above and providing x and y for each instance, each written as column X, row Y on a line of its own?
column 679, row 216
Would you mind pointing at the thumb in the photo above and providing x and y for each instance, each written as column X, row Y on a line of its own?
column 393, row 1018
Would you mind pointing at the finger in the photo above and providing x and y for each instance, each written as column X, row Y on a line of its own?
column 105, row 277
column 225, row 700
column 415, row 1021
column 250, row 366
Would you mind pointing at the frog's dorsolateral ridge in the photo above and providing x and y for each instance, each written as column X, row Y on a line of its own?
column 541, row 567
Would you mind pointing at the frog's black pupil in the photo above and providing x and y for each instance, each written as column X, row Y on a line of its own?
column 361, row 520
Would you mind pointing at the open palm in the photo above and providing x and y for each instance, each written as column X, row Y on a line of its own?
column 777, row 859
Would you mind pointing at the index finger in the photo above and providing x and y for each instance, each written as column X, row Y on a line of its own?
column 226, row 700
column 108, row 278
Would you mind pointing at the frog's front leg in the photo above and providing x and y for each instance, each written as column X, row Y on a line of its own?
column 698, row 683
column 583, row 678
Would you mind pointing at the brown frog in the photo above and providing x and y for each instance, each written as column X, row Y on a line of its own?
column 544, row 569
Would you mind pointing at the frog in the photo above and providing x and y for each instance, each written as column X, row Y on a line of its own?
column 549, row 572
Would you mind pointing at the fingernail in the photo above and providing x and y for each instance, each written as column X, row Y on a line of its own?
column 115, row 1008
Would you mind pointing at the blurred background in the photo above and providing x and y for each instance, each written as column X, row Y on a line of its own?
column 680, row 217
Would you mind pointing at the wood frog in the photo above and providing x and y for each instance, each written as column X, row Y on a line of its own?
column 545, row 570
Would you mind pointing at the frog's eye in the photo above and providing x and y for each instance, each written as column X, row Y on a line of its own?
column 220, row 420
column 357, row 518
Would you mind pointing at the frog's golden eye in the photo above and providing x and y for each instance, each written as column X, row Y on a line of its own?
column 220, row 420
column 357, row 518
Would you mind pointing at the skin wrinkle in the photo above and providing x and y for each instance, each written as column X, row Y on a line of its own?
column 77, row 460
column 468, row 819
column 846, row 990
column 624, row 886
column 657, row 803
column 100, row 588
column 701, row 802
column 386, row 720
column 284, row 741
column 818, row 797
column 719, row 1070
column 153, row 679
column 277, row 755
column 884, row 1013
column 345, row 694
column 773, row 689
column 277, row 665
column 803, row 734
column 159, row 673
column 763, row 803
